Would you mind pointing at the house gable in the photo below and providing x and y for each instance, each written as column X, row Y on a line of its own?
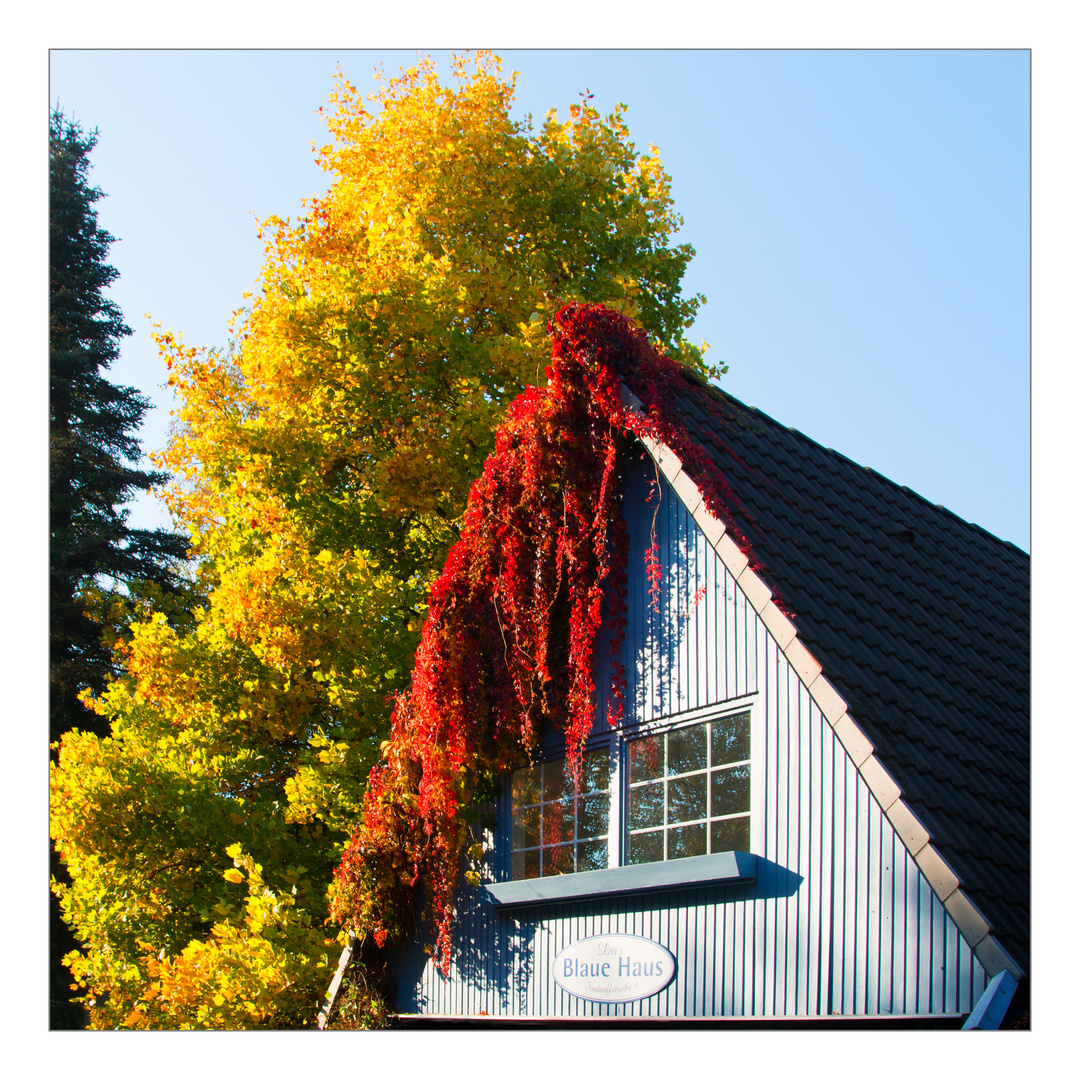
column 842, row 774
column 842, row 917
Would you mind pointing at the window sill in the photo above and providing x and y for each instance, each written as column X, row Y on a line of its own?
column 729, row 867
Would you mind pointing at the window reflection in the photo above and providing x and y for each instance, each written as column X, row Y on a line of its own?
column 689, row 791
column 555, row 830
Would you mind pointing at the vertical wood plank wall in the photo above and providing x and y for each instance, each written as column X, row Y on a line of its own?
column 840, row 919
column 700, row 647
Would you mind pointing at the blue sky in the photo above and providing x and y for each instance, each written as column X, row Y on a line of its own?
column 861, row 221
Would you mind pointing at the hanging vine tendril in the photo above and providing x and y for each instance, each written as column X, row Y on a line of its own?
column 514, row 618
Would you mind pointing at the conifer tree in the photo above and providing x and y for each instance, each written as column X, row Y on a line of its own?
column 93, row 446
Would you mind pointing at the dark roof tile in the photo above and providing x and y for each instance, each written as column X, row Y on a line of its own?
column 920, row 621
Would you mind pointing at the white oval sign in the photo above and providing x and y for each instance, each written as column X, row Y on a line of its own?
column 613, row 968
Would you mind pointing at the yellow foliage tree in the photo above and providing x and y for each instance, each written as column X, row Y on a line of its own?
column 321, row 465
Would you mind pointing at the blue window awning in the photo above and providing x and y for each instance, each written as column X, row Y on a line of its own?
column 728, row 867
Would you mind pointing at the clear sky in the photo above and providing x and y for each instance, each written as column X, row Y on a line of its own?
column 861, row 222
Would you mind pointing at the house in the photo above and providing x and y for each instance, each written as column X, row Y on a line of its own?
column 816, row 802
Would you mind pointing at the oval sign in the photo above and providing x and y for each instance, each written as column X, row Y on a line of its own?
column 613, row 968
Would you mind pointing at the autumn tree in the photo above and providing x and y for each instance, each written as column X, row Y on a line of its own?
column 322, row 465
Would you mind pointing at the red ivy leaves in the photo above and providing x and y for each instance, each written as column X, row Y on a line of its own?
column 513, row 619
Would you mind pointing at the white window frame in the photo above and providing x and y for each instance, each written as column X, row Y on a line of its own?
column 617, row 740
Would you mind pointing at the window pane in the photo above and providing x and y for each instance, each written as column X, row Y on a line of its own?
column 527, row 786
column 687, row 840
column 731, row 790
column 646, row 758
column 594, row 776
column 688, row 797
column 558, row 822
column 593, row 815
column 646, row 847
column 687, row 750
column 731, row 835
column 556, row 783
column 731, row 739
column 646, row 806
column 594, row 772
column 592, row 855
column 525, row 864
column 553, row 820
column 526, row 827
column 559, row 860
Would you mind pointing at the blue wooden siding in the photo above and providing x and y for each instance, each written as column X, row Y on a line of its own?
column 840, row 919
column 699, row 648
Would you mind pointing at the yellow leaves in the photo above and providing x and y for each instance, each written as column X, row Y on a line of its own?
column 321, row 463
column 261, row 971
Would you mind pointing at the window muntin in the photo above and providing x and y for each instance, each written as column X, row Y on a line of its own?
column 680, row 792
column 554, row 830
column 688, row 791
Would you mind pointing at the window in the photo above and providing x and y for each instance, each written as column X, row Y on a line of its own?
column 689, row 791
column 654, row 797
column 555, row 831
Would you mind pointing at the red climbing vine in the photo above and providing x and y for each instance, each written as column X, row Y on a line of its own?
column 514, row 618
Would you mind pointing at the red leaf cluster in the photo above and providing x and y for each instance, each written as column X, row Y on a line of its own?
column 514, row 618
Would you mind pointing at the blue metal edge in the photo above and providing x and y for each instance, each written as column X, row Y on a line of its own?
column 725, row 867
column 990, row 1009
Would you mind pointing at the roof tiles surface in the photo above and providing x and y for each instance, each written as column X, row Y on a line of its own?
column 920, row 621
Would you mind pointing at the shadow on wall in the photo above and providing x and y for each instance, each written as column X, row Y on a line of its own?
column 495, row 966
column 775, row 881
column 694, row 648
column 489, row 959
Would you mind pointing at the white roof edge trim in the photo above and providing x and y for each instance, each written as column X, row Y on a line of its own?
column 885, row 790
